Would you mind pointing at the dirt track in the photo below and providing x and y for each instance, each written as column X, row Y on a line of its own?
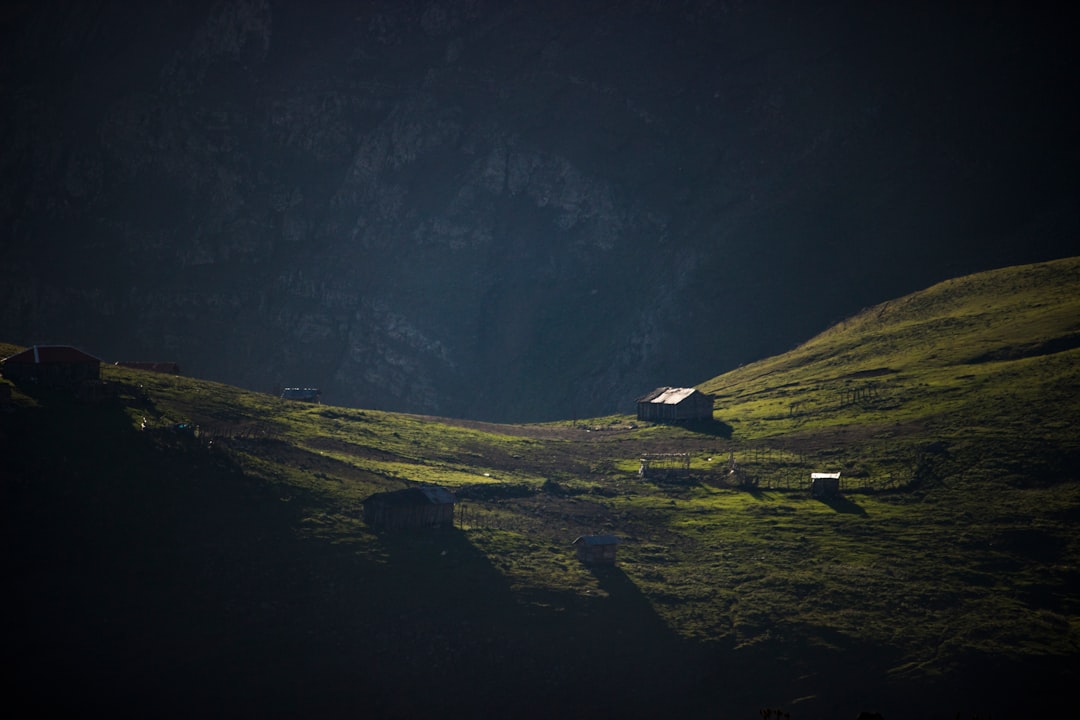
column 539, row 432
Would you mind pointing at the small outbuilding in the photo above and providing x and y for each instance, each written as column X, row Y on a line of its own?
column 596, row 549
column 307, row 394
column 411, row 508
column 671, row 404
column 824, row 485
column 51, row 365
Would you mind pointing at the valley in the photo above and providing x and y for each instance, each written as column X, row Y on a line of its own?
column 182, row 547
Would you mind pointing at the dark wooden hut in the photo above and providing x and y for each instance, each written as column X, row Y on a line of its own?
column 671, row 404
column 596, row 549
column 415, row 507
column 824, row 485
column 52, row 365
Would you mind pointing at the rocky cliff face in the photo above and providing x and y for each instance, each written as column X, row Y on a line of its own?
column 508, row 210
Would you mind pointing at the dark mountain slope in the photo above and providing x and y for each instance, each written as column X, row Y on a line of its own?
column 511, row 210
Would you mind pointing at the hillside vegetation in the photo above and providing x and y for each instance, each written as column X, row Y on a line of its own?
column 185, row 547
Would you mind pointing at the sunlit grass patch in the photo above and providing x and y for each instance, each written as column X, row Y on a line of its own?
column 435, row 475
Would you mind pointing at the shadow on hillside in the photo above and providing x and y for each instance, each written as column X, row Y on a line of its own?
column 843, row 504
column 755, row 492
column 633, row 649
column 685, row 678
column 151, row 576
column 146, row 571
column 714, row 427
column 626, row 606
column 435, row 607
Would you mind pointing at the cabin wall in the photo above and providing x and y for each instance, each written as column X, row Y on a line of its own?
column 52, row 374
column 695, row 407
column 597, row 554
column 825, row 487
column 405, row 517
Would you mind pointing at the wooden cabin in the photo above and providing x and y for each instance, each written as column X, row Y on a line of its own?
column 596, row 549
column 671, row 404
column 824, row 485
column 51, row 365
column 411, row 508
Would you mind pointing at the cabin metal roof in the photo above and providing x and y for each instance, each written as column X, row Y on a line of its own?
column 825, row 476
column 304, row 394
column 667, row 395
column 49, row 354
column 438, row 495
column 429, row 495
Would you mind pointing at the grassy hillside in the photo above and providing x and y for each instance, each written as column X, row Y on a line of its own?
column 970, row 354
column 184, row 547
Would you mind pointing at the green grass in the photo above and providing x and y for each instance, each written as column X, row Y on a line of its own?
column 945, row 579
column 957, row 349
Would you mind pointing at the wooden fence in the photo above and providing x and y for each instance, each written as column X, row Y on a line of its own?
column 799, row 481
column 471, row 516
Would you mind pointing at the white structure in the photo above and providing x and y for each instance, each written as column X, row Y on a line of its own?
column 824, row 484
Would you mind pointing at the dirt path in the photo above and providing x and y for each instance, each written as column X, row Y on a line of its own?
column 538, row 432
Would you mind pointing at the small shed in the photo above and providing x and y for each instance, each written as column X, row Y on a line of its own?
column 672, row 404
column 307, row 394
column 415, row 507
column 596, row 549
column 52, row 365
column 824, row 485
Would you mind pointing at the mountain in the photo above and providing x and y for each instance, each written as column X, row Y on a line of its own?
column 183, row 547
column 511, row 210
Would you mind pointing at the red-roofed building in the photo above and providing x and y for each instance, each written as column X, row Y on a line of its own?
column 56, row 365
